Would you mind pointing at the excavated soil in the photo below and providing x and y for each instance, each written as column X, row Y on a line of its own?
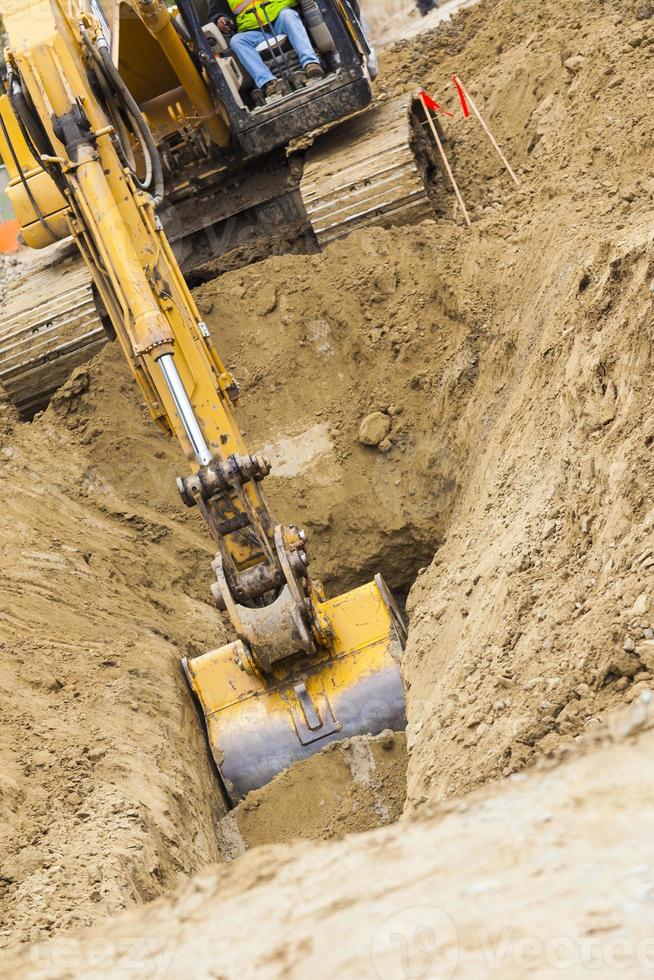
column 105, row 792
column 353, row 785
column 545, row 876
column 499, row 378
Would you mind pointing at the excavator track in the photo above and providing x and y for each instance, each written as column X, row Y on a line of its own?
column 49, row 324
column 367, row 172
column 374, row 169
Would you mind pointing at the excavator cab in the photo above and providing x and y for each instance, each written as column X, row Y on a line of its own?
column 259, row 125
column 278, row 54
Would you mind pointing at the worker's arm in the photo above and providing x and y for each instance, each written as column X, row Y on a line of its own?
column 219, row 10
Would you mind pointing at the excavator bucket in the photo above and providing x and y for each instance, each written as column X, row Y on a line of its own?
column 258, row 725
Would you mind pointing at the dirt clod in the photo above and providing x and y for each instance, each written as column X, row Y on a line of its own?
column 374, row 429
column 644, row 9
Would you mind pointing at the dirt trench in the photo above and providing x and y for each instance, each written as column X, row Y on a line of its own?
column 111, row 798
column 108, row 797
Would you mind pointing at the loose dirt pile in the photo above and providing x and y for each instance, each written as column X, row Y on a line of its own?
column 536, row 614
column 353, row 785
column 506, row 370
column 105, row 788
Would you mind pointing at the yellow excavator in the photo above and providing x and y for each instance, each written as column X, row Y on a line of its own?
column 113, row 113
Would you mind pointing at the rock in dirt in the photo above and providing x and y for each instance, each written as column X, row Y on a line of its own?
column 374, row 428
column 575, row 63
column 622, row 663
column 631, row 719
column 644, row 9
column 646, row 653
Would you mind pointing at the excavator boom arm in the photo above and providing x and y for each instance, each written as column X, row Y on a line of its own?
column 155, row 318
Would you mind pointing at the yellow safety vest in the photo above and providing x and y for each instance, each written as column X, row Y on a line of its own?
column 249, row 17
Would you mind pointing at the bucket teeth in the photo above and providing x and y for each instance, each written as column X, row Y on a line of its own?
column 258, row 725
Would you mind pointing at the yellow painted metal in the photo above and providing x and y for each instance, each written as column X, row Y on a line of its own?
column 15, row 150
column 21, row 150
column 157, row 19
column 359, row 620
column 349, row 25
column 167, row 114
column 142, row 64
column 48, row 199
column 256, row 723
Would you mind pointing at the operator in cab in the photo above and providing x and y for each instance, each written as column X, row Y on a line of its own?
column 249, row 23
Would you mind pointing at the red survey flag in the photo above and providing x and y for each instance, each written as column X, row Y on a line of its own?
column 429, row 102
column 462, row 96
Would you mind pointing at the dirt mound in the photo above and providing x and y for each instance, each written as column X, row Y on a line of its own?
column 537, row 612
column 443, row 896
column 103, row 763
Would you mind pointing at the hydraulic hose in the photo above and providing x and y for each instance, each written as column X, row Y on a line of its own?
column 154, row 180
column 122, row 136
column 31, row 129
column 143, row 128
